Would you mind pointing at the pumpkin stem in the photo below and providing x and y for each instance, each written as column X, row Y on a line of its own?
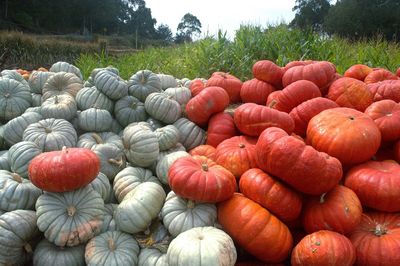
column 272, row 104
column 322, row 198
column 190, row 204
column 111, row 244
column 351, row 117
column 118, row 162
column 64, row 149
column 17, row 177
column 204, row 166
column 47, row 130
column 142, row 78
column 241, row 145
column 28, row 248
column 71, row 210
column 380, row 230
column 56, row 99
column 97, row 138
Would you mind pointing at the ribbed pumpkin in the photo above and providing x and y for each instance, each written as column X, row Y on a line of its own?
column 139, row 207
column 358, row 71
column 95, row 120
column 129, row 178
column 66, row 67
column 14, row 129
column 152, row 257
column 377, row 184
column 204, row 150
column 167, row 81
column 180, row 94
column 255, row 229
column 351, row 93
column 237, row 154
column 296, row 163
column 228, row 82
column 162, row 107
column 61, row 83
column 221, row 126
column 109, row 221
column 201, row 179
column 324, row 248
column 338, row 210
column 142, row 83
column 191, row 135
column 168, row 136
column 387, row 89
column 179, row 214
column 70, row 218
column 129, row 109
column 91, row 140
column 208, row 246
column 255, row 91
column 18, row 235
column 347, row 134
column 51, row 134
column 386, row 115
column 164, row 164
column 272, row 97
column 196, row 86
column 20, row 155
column 268, row 71
column 15, row 98
column 303, row 113
column 102, row 185
column 46, row 253
column 270, row 193
column 377, row 239
column 112, row 159
column 379, row 75
column 251, row 119
column 91, row 97
column 111, row 85
column 294, row 94
column 112, row 249
column 59, row 107
column 209, row 101
column 37, row 79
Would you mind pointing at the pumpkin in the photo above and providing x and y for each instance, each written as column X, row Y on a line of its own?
column 180, row 94
column 14, row 129
column 164, row 164
column 221, row 126
column 190, row 134
column 200, row 179
column 61, row 83
column 294, row 94
column 18, row 234
column 37, row 79
column 209, row 101
column 91, row 140
column 351, row 93
column 15, row 75
column 102, row 185
column 168, row 136
column 387, row 89
column 379, row 75
column 179, row 214
column 111, row 85
column 16, row 192
column 344, row 133
column 91, row 97
column 167, row 81
column 15, row 98
column 255, row 91
column 398, row 72
column 129, row 178
column 300, row 165
column 272, row 97
column 386, row 115
column 321, row 73
column 51, row 134
column 162, row 107
column 143, row 83
column 46, row 253
column 112, row 159
column 228, row 82
column 4, row 162
column 268, row 71
column 324, row 248
column 251, row 119
column 112, row 249
column 270, row 193
column 109, row 221
column 196, row 86
column 20, row 155
column 358, row 71
column 36, row 100
column 96, row 71
column 95, row 120
column 255, row 229
column 139, row 207
column 303, row 113
column 128, row 110
column 152, row 257
column 140, row 145
column 66, row 67
column 65, row 170
column 59, row 107
column 338, row 210
column 377, row 239
column 376, row 184
column 208, row 246
column 237, row 154
column 154, row 123
column 70, row 218
column 204, row 150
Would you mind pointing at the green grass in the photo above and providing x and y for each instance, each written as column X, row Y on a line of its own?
column 251, row 43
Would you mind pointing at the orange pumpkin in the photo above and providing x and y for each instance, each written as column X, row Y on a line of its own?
column 358, row 71
column 220, row 127
column 268, row 71
column 204, row 150
column 379, row 75
column 228, row 82
column 255, row 91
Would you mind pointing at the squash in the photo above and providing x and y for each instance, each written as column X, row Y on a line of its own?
column 179, row 214
column 95, row 120
column 167, row 81
column 112, row 249
column 111, row 84
column 162, row 107
column 46, row 253
column 20, row 155
column 91, row 140
column 66, row 67
column 180, row 94
column 152, row 257
column 208, row 246
column 379, row 75
column 37, row 79
column 255, row 91
column 4, row 162
column 221, row 126
column 36, row 100
column 129, row 109
column 164, row 164
column 385, row 90
column 102, row 185
column 204, row 150
column 59, row 107
column 112, row 159
column 191, row 135
column 14, row 129
column 109, row 221
column 231, row 84
column 15, row 98
column 61, row 83
column 358, row 71
column 168, row 136
column 91, row 97
column 139, row 207
column 70, row 218
column 142, row 83
column 268, row 71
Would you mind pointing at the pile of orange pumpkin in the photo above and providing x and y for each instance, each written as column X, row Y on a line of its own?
column 26, row 73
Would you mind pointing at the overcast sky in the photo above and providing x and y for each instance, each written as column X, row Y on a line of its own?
column 222, row 14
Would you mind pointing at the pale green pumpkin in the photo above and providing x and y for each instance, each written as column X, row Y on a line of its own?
column 15, row 98
column 46, row 253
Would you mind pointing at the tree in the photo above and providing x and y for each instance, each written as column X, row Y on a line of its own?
column 310, row 13
column 188, row 26
column 164, row 33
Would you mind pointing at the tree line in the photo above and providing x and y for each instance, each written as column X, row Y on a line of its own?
column 353, row 19
column 107, row 17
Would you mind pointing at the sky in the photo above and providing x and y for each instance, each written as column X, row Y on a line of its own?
column 222, row 14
